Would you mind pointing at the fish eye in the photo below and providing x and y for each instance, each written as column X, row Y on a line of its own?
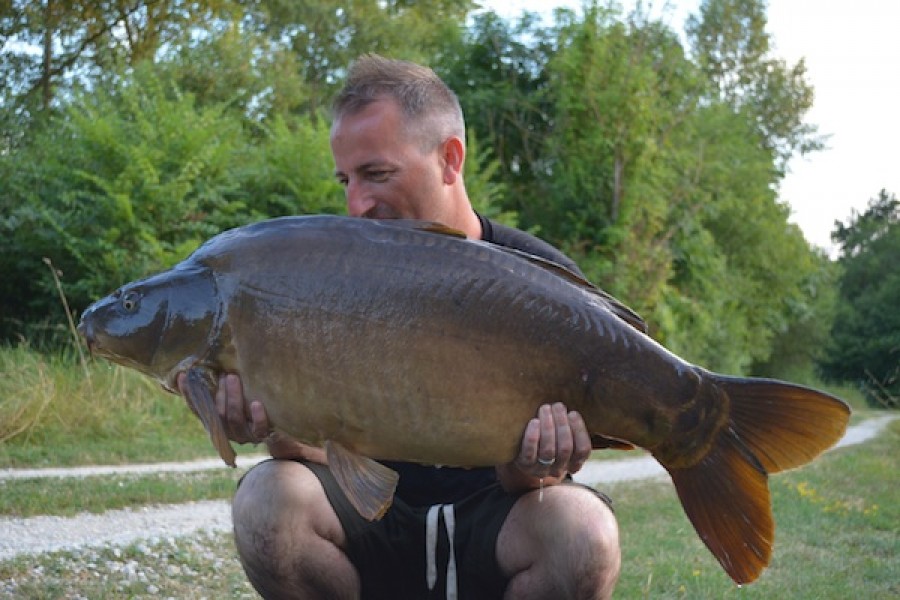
column 131, row 301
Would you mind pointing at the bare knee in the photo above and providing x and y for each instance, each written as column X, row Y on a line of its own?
column 564, row 546
column 287, row 536
column 601, row 539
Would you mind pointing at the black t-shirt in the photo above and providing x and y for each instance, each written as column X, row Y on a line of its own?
column 423, row 485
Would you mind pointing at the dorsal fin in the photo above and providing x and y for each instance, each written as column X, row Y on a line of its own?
column 429, row 226
column 443, row 230
column 616, row 306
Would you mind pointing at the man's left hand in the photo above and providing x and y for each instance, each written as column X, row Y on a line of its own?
column 556, row 442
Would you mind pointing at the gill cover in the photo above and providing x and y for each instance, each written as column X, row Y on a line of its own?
column 156, row 323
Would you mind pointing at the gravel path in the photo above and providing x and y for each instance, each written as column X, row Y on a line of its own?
column 36, row 535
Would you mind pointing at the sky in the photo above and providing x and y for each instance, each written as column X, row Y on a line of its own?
column 853, row 63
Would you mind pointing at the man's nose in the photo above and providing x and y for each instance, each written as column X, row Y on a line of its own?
column 358, row 201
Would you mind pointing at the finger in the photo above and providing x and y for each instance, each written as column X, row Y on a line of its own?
column 222, row 399
column 236, row 410
column 565, row 441
column 582, row 440
column 546, row 455
column 259, row 421
column 529, row 450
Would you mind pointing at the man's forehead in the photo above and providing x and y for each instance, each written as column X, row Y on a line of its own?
column 366, row 165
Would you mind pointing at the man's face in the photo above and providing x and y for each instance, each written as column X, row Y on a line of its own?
column 385, row 174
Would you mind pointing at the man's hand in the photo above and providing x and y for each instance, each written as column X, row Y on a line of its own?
column 247, row 422
column 555, row 443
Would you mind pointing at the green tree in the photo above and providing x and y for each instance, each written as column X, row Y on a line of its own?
column 746, row 270
column 129, row 179
column 618, row 90
column 732, row 47
column 56, row 43
column 866, row 332
column 743, row 276
column 498, row 71
column 798, row 347
column 325, row 35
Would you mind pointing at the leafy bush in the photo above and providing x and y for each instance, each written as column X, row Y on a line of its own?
column 129, row 180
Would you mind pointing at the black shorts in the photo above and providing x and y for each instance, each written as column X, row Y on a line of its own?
column 426, row 552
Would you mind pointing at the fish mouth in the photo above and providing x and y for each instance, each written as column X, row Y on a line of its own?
column 87, row 334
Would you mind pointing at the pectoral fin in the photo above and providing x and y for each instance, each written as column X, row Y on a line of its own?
column 368, row 484
column 198, row 391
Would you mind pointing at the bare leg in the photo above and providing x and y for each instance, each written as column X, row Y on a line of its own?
column 288, row 537
column 565, row 546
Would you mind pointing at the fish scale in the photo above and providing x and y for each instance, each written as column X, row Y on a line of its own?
column 402, row 340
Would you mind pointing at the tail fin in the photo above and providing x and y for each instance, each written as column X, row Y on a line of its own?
column 772, row 426
column 783, row 424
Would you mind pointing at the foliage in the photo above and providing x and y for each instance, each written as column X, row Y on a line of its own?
column 323, row 36
column 127, row 181
column 805, row 340
column 618, row 90
column 139, row 131
column 866, row 332
column 497, row 70
column 732, row 48
column 54, row 412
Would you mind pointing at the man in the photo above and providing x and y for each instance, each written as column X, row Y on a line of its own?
column 520, row 530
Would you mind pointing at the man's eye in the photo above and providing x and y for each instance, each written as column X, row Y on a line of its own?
column 379, row 175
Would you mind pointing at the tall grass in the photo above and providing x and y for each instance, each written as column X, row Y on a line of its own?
column 53, row 411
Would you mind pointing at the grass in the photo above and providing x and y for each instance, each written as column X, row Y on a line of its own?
column 96, row 494
column 838, row 519
column 55, row 413
column 837, row 536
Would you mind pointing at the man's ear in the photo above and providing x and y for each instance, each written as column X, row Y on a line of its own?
column 453, row 155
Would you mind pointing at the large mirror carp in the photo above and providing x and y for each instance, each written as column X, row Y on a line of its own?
column 399, row 340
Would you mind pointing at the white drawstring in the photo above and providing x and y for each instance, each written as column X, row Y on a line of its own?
column 450, row 524
column 431, row 522
column 431, row 541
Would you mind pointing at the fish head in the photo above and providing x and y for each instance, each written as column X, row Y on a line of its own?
column 156, row 325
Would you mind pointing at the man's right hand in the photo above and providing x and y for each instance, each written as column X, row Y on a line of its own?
column 247, row 422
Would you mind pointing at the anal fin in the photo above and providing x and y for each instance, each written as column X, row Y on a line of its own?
column 368, row 484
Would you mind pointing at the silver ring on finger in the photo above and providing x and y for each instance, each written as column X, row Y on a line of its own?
column 545, row 462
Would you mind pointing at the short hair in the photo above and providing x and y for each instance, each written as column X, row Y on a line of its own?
column 430, row 108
